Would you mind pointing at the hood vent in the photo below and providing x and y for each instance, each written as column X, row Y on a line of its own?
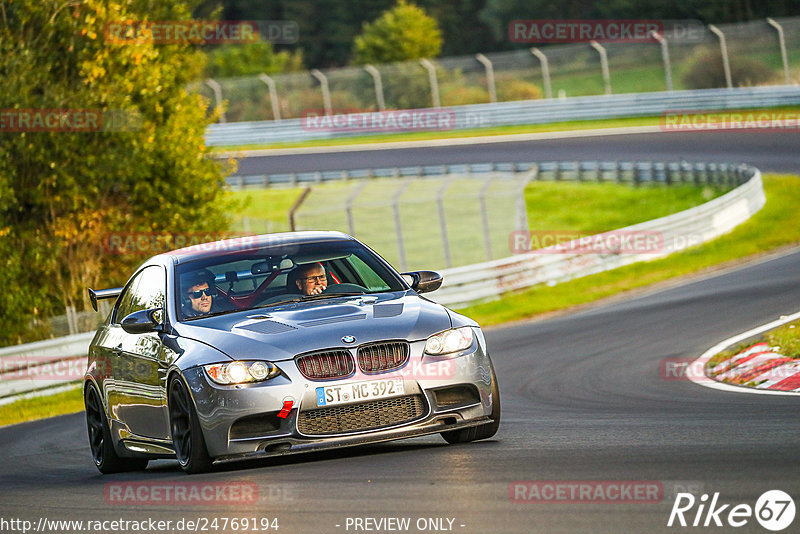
column 268, row 327
column 331, row 320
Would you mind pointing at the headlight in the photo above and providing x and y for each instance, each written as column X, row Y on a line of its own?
column 239, row 372
column 449, row 341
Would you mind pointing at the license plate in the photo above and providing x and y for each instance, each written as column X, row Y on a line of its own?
column 359, row 391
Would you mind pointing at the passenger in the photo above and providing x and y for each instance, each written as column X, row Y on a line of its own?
column 311, row 279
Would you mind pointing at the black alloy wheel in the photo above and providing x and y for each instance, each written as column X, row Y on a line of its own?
column 187, row 436
column 105, row 457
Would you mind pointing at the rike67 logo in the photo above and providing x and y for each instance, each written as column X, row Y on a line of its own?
column 774, row 510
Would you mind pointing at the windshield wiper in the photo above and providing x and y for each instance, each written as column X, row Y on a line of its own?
column 304, row 298
column 336, row 294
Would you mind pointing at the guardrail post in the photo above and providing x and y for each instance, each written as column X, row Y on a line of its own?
column 217, row 88
column 665, row 57
column 487, row 236
column 376, row 78
column 637, row 176
column 603, row 64
column 273, row 96
column 398, row 228
column 443, row 223
column 296, row 206
column 487, row 65
column 724, row 49
column 782, row 43
column 326, row 93
column 548, row 88
column 434, row 83
column 348, row 208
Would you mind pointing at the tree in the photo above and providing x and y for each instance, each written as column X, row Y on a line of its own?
column 63, row 193
column 402, row 33
column 256, row 58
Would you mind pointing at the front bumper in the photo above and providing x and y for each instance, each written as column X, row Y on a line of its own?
column 241, row 421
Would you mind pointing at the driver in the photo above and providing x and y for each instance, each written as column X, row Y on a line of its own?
column 311, row 279
column 199, row 292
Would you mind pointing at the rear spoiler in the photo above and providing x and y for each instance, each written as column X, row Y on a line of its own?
column 94, row 296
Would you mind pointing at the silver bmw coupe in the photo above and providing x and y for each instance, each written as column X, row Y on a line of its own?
column 279, row 344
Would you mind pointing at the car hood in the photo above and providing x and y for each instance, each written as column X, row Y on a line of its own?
column 281, row 332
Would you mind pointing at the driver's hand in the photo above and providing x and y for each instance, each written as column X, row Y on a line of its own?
column 316, row 291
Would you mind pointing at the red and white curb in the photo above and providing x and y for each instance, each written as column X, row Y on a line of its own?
column 754, row 364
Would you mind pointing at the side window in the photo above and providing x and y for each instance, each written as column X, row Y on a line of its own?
column 147, row 290
column 372, row 280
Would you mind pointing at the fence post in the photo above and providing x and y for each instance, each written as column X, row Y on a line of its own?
column 487, row 65
column 434, row 83
column 487, row 237
column 348, row 207
column 72, row 320
column 782, row 43
column 273, row 96
column 724, row 49
column 665, row 57
column 548, row 88
column 603, row 64
column 296, row 206
column 217, row 88
column 398, row 228
column 376, row 78
column 522, row 207
column 326, row 93
column 443, row 223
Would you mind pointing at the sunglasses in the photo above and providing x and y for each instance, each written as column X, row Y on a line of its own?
column 208, row 291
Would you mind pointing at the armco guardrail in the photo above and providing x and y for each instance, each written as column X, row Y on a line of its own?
column 528, row 112
column 491, row 279
column 694, row 226
column 43, row 364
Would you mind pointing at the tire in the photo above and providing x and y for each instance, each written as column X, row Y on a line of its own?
column 187, row 436
column 105, row 457
column 483, row 431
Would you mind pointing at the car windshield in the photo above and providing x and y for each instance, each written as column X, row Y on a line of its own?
column 274, row 275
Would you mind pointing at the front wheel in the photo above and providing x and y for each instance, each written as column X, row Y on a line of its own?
column 187, row 436
column 103, row 453
column 483, row 431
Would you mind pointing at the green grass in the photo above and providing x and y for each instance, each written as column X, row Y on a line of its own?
column 776, row 225
column 551, row 207
column 65, row 402
column 477, row 132
column 786, row 338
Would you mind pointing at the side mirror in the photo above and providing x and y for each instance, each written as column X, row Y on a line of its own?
column 143, row 321
column 424, row 281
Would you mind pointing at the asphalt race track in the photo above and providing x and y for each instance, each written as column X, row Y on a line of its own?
column 584, row 399
column 770, row 151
